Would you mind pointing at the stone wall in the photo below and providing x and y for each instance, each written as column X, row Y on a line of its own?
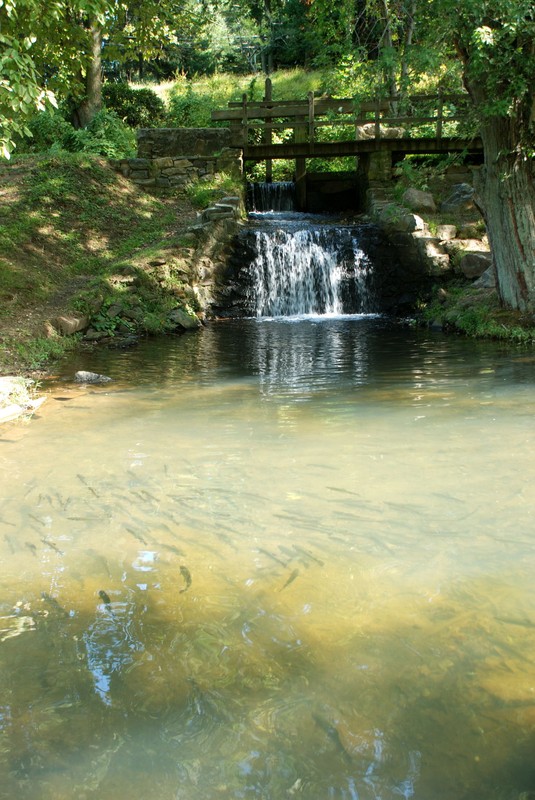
column 170, row 157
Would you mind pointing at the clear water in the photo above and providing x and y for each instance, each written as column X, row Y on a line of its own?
column 273, row 559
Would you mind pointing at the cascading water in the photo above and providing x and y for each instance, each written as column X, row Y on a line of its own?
column 278, row 196
column 302, row 267
column 286, row 264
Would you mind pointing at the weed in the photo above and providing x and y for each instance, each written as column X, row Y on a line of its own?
column 207, row 190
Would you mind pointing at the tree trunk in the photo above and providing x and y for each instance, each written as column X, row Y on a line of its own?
column 92, row 102
column 506, row 186
column 388, row 45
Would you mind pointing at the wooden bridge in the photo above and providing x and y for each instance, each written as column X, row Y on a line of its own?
column 392, row 126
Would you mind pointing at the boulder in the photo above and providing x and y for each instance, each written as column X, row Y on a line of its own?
column 67, row 325
column 184, row 319
column 420, row 201
column 446, row 232
column 473, row 265
column 487, row 280
column 461, row 198
column 433, row 255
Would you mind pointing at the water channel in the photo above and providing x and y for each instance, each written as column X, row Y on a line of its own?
column 282, row 557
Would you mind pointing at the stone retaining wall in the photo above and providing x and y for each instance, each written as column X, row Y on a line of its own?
column 175, row 156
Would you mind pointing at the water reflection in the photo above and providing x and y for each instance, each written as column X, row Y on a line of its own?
column 273, row 560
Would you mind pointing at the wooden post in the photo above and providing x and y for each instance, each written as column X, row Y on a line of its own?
column 268, row 130
column 311, row 126
column 440, row 117
column 377, row 132
column 244, row 122
column 300, row 135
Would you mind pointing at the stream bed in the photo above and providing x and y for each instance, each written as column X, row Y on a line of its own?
column 277, row 558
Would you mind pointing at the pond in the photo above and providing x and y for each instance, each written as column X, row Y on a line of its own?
column 275, row 558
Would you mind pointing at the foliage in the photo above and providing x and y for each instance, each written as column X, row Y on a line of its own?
column 137, row 107
column 106, row 135
column 35, row 353
column 495, row 43
column 420, row 172
column 212, row 188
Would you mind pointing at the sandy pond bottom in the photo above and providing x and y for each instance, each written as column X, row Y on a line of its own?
column 273, row 559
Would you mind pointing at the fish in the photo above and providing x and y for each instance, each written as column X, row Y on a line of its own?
column 11, row 543
column 54, row 604
column 102, row 561
column 86, row 484
column 135, row 534
column 31, row 547
column 172, row 549
column 105, row 599
column 186, row 574
column 308, row 555
column 52, row 546
column 272, row 556
column 290, row 580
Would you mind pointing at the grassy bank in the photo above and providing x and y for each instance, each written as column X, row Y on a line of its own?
column 76, row 237
column 463, row 309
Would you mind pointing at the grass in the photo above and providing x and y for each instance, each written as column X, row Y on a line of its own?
column 204, row 192
column 75, row 236
column 478, row 313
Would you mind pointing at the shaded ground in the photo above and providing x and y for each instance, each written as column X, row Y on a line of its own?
column 67, row 226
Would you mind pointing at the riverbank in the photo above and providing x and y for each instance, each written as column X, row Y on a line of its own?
column 86, row 255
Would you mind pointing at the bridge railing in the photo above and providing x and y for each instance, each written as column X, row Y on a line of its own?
column 388, row 117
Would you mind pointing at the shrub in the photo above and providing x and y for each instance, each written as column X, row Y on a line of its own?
column 106, row 135
column 137, row 107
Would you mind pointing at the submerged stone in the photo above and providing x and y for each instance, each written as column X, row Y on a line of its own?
column 90, row 377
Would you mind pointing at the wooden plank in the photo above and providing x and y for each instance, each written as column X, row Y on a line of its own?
column 353, row 148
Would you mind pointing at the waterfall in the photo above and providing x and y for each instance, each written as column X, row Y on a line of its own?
column 309, row 269
column 279, row 196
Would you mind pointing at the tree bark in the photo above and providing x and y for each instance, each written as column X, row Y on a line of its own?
column 506, row 186
column 92, row 102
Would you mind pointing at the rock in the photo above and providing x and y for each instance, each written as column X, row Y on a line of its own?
column 417, row 200
column 217, row 212
column 185, row 319
column 432, row 252
column 15, row 398
column 461, row 198
column 67, row 325
column 446, row 232
column 90, row 377
column 93, row 335
column 487, row 280
column 368, row 132
column 10, row 412
column 467, row 246
column 473, row 265
column 115, row 310
column 49, row 332
column 397, row 219
column 231, row 201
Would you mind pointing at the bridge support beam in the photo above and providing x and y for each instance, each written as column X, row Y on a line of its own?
column 301, row 184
